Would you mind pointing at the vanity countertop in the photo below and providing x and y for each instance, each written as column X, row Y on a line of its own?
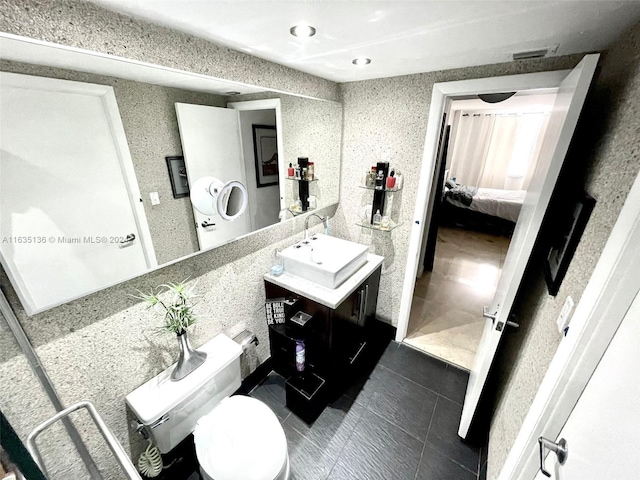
column 329, row 297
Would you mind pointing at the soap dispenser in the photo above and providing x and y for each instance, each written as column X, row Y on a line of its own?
column 278, row 265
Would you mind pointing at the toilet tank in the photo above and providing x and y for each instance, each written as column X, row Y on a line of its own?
column 170, row 410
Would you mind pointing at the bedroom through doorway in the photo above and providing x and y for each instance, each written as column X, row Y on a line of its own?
column 487, row 155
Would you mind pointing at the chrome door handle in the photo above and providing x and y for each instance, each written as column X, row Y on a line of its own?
column 361, row 308
column 355, row 315
column 486, row 314
column 560, row 449
column 128, row 240
column 366, row 301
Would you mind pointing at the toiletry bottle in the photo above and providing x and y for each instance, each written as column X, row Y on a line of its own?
column 297, row 172
column 300, row 352
column 399, row 180
column 371, row 179
column 304, row 175
column 391, row 180
column 377, row 218
column 310, row 171
column 290, row 171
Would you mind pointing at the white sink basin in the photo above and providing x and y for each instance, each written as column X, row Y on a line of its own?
column 325, row 260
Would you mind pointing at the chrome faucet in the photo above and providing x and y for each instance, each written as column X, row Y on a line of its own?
column 306, row 223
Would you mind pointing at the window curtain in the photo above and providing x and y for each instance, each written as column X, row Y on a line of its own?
column 496, row 150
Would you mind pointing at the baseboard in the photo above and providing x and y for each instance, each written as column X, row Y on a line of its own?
column 254, row 378
column 381, row 331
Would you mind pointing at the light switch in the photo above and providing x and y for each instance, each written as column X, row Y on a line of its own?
column 565, row 315
column 155, row 198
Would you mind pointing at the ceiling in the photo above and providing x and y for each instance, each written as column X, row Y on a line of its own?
column 400, row 36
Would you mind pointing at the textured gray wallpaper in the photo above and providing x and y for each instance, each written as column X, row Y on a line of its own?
column 606, row 159
column 386, row 119
column 88, row 26
column 21, row 388
column 102, row 346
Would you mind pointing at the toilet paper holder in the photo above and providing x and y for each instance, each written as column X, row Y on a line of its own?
column 245, row 339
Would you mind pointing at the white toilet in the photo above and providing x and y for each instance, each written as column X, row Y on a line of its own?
column 236, row 438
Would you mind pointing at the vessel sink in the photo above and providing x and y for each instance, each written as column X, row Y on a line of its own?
column 325, row 260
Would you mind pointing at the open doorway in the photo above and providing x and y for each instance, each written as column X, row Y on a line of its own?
column 487, row 156
column 572, row 86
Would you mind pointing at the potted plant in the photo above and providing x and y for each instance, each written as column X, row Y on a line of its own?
column 178, row 317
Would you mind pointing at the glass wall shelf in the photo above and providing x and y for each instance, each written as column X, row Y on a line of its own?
column 296, row 212
column 365, row 224
column 388, row 190
column 301, row 180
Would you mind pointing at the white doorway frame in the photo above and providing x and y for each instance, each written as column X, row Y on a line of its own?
column 422, row 216
column 269, row 104
column 608, row 295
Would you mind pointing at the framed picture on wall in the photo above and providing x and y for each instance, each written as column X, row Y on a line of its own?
column 265, row 149
column 178, row 176
column 565, row 242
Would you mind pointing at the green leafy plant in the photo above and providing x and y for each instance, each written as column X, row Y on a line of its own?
column 178, row 312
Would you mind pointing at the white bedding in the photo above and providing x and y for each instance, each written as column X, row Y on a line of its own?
column 499, row 203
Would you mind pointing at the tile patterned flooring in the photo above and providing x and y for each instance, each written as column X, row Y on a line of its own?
column 446, row 313
column 400, row 422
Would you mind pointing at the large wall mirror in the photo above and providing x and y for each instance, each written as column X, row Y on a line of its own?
column 98, row 155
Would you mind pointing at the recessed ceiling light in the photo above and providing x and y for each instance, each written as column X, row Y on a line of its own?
column 303, row 31
column 361, row 61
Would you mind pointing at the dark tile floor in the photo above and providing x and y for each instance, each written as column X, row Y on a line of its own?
column 400, row 422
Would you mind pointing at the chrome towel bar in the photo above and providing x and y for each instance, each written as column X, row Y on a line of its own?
column 121, row 456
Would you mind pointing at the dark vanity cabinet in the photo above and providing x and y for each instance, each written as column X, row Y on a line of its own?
column 336, row 342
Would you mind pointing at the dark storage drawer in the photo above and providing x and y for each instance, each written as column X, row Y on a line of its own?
column 306, row 395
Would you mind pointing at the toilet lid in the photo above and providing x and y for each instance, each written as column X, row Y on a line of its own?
column 241, row 439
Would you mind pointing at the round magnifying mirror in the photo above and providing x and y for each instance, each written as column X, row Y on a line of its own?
column 232, row 200
column 210, row 196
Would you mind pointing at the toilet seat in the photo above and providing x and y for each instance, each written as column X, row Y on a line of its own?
column 241, row 439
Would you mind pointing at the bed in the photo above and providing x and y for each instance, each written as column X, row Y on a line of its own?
column 490, row 202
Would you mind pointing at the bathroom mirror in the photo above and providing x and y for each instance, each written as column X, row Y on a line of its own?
column 146, row 96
